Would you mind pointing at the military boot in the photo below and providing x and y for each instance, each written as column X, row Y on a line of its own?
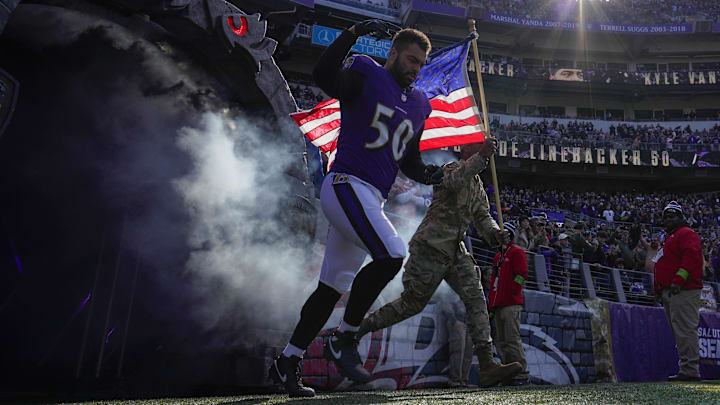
column 491, row 373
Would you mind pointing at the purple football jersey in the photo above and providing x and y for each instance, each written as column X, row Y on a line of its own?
column 377, row 125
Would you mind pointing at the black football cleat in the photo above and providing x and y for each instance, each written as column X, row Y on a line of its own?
column 341, row 348
column 286, row 371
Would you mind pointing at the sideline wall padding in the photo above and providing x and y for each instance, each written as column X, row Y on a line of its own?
column 555, row 330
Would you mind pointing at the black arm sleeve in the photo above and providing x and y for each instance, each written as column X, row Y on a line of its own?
column 328, row 72
column 412, row 164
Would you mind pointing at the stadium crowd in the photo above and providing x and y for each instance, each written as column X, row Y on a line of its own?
column 619, row 230
column 619, row 12
column 306, row 96
column 584, row 133
column 606, row 222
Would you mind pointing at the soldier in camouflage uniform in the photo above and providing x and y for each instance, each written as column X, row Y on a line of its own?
column 437, row 253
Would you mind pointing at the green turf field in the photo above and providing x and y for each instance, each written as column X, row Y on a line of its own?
column 626, row 393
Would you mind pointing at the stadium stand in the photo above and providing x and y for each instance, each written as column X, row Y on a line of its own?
column 624, row 135
column 626, row 12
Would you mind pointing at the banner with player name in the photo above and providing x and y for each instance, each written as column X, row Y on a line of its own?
column 492, row 68
column 591, row 26
column 518, row 70
column 644, row 348
column 678, row 78
column 607, row 156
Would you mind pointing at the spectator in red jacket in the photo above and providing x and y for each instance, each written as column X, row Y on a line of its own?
column 678, row 275
column 506, row 302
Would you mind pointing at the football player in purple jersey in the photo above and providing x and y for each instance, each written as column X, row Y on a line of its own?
column 382, row 119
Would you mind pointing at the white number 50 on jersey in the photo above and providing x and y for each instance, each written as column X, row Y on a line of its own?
column 400, row 138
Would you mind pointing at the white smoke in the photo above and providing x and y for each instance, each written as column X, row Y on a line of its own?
column 439, row 157
column 241, row 255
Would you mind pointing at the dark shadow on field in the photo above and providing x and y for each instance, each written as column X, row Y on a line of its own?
column 340, row 398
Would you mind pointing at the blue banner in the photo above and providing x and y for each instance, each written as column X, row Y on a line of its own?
column 591, row 26
column 324, row 36
column 644, row 347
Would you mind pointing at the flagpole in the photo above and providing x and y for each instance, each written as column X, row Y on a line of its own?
column 471, row 26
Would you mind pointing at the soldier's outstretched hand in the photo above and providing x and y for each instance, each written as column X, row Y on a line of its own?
column 488, row 147
column 500, row 237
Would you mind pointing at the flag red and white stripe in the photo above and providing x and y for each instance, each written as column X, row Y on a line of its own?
column 321, row 125
column 453, row 121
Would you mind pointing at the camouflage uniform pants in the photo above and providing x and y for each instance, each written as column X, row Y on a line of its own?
column 423, row 273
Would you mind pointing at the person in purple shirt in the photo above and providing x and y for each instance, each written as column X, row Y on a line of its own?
column 382, row 119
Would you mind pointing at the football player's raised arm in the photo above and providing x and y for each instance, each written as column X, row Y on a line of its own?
column 329, row 73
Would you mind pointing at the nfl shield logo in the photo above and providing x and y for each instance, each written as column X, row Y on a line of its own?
column 340, row 178
column 8, row 97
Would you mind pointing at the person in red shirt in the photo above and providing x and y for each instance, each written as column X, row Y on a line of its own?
column 506, row 302
column 678, row 282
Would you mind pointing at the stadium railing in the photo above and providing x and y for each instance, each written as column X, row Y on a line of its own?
column 567, row 275
column 564, row 272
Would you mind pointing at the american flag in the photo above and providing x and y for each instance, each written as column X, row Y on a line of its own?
column 453, row 120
